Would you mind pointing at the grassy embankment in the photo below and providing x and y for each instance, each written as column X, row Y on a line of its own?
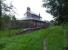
column 34, row 40
column 10, row 32
column 65, row 26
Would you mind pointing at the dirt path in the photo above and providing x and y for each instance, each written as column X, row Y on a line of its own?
column 45, row 43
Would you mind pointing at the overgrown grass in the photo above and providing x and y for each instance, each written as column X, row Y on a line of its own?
column 65, row 26
column 56, row 39
column 34, row 40
column 10, row 32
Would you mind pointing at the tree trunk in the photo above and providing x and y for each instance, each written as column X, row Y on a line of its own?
column 0, row 13
column 0, row 9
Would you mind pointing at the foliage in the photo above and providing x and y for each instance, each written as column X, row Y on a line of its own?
column 0, row 14
column 5, row 12
column 0, row 9
column 6, row 18
column 58, row 9
column 13, row 18
column 6, row 7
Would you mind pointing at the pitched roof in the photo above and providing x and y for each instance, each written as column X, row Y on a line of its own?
column 34, row 15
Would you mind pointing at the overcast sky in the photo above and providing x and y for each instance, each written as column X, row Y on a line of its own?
column 35, row 5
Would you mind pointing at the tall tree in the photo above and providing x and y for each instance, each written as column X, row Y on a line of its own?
column 13, row 18
column 0, row 13
column 58, row 9
column 4, row 8
column 0, row 8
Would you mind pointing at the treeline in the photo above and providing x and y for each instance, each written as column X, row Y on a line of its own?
column 6, row 21
column 6, row 14
column 57, row 8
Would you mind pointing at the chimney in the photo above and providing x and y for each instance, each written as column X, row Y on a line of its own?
column 39, row 14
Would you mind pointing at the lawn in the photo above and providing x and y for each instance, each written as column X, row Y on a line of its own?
column 34, row 40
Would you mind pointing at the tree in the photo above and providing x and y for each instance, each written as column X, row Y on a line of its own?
column 4, row 8
column 6, row 18
column 5, row 21
column 13, row 18
column 0, row 9
column 58, row 9
column 7, row 7
column 0, row 13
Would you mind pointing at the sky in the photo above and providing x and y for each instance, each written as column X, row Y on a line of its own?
column 35, row 5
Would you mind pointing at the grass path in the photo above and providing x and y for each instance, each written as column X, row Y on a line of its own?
column 65, row 26
column 34, row 40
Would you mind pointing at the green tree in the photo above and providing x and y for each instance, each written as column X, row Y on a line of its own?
column 58, row 9
column 0, row 9
column 5, row 21
column 13, row 18
column 0, row 13
column 6, row 18
column 4, row 8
